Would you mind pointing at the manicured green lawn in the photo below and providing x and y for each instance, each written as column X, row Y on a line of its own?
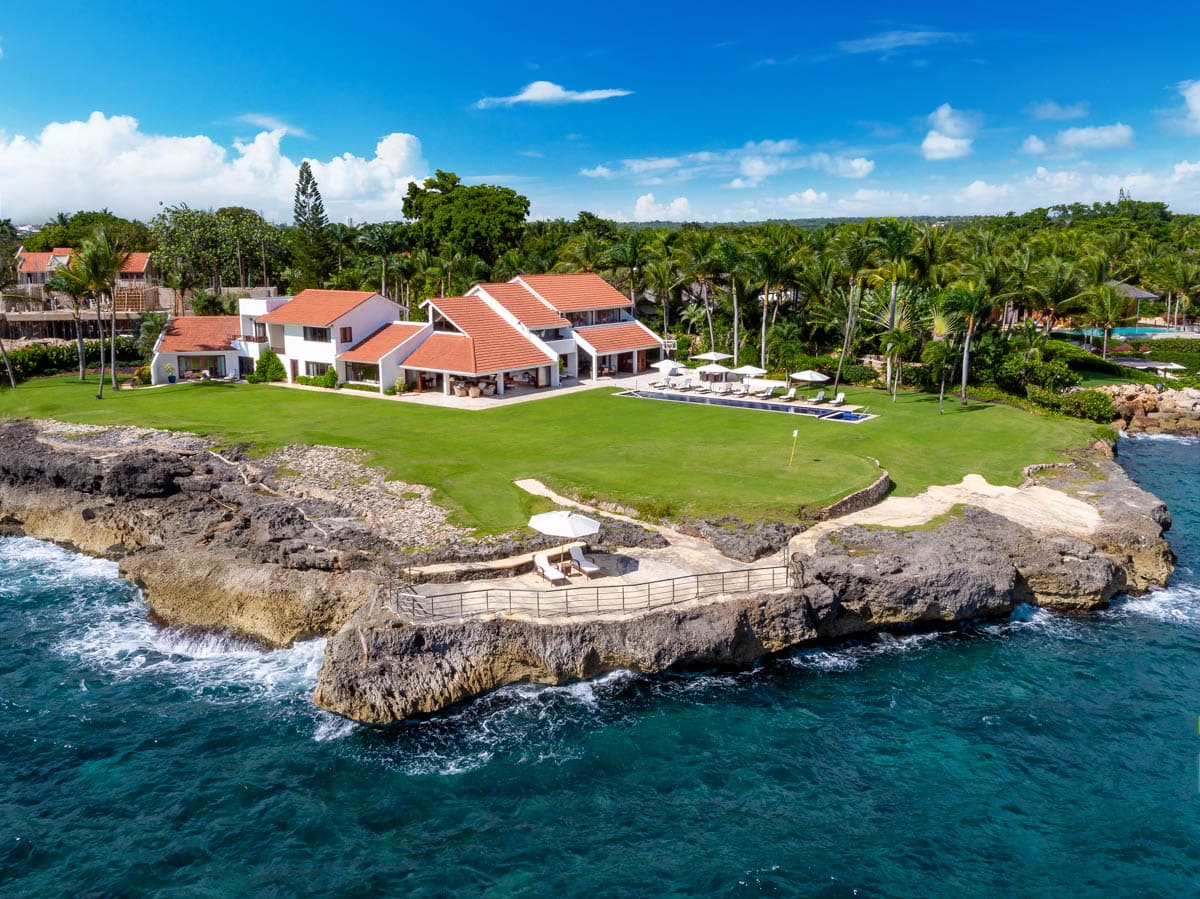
column 663, row 458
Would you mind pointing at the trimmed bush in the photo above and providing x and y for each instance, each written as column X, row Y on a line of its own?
column 1090, row 405
column 51, row 359
column 269, row 368
column 1015, row 374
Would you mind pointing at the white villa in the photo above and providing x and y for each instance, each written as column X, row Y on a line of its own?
column 531, row 331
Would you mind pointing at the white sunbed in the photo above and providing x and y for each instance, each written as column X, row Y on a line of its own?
column 543, row 567
column 790, row 396
column 765, row 393
column 839, row 400
column 819, row 398
column 583, row 563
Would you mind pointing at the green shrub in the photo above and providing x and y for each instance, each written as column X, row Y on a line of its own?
column 329, row 379
column 1091, row 405
column 855, row 373
column 1015, row 374
column 269, row 368
column 365, row 388
column 388, row 391
column 142, row 374
column 48, row 359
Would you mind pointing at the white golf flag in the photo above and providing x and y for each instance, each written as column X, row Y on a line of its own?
column 796, row 433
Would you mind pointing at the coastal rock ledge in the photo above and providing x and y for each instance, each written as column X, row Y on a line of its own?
column 970, row 562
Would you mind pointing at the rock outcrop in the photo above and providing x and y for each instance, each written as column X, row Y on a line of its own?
column 1147, row 409
column 973, row 563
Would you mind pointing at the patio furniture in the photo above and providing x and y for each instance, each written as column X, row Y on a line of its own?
column 819, row 398
column 765, row 393
column 474, row 392
column 489, row 389
column 839, row 400
column 460, row 390
column 790, row 396
column 543, row 567
column 585, row 565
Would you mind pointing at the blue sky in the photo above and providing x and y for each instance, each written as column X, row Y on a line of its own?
column 704, row 111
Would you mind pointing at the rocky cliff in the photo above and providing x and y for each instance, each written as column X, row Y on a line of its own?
column 970, row 563
column 1148, row 409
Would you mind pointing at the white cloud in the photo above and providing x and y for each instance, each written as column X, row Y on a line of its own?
column 647, row 210
column 887, row 42
column 547, row 93
column 1098, row 137
column 1033, row 145
column 952, row 133
column 271, row 123
column 600, row 171
column 108, row 161
column 1049, row 110
column 841, row 166
column 1190, row 116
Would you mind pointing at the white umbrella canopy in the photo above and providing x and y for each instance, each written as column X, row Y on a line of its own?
column 808, row 375
column 713, row 356
column 713, row 368
column 666, row 366
column 749, row 371
column 562, row 523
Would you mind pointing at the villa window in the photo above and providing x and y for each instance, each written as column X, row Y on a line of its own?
column 608, row 316
column 315, row 369
column 346, row 335
column 260, row 331
column 316, row 335
column 362, row 372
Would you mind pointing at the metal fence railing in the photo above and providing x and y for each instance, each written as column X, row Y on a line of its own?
column 584, row 601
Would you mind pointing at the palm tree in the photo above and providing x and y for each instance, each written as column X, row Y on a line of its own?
column 944, row 325
column 846, row 306
column 894, row 244
column 630, row 253
column 935, row 255
column 702, row 266
column 1055, row 290
column 974, row 304
column 12, row 378
column 72, row 281
column 662, row 278
column 1107, row 308
column 344, row 237
column 181, row 279
column 770, row 265
column 585, row 252
column 381, row 240
column 101, row 260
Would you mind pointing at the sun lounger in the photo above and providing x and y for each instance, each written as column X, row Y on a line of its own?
column 685, row 384
column 659, row 385
column 819, row 398
column 703, row 387
column 583, row 563
column 720, row 389
column 543, row 567
column 839, row 400
column 765, row 393
column 790, row 396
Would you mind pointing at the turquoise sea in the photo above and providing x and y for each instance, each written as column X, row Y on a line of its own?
column 1038, row 755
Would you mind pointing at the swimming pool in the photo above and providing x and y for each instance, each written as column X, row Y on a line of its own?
column 1123, row 332
column 824, row 413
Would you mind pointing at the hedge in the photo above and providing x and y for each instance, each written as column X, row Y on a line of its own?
column 54, row 358
column 1091, row 405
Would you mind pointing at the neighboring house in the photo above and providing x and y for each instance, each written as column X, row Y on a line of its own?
column 198, row 346
column 309, row 330
column 34, row 269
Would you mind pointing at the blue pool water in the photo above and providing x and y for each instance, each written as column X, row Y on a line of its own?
column 825, row 413
column 1126, row 332
column 1033, row 756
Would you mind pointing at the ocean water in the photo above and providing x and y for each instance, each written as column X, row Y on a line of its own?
column 1030, row 756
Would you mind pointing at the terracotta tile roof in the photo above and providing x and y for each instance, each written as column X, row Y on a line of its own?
column 529, row 310
column 201, row 333
column 317, row 308
column 619, row 338
column 491, row 344
column 444, row 351
column 34, row 263
column 573, row 293
column 377, row 345
column 137, row 262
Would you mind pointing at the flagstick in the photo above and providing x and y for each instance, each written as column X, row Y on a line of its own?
column 795, row 436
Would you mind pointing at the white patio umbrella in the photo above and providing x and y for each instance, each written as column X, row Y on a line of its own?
column 666, row 366
column 713, row 356
column 749, row 371
column 812, row 377
column 714, row 368
column 569, row 525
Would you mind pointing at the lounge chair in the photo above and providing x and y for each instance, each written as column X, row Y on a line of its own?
column 790, row 396
column 765, row 393
column 703, row 387
column 658, row 385
column 720, row 389
column 543, row 567
column 839, row 400
column 685, row 384
column 819, row 398
column 588, row 567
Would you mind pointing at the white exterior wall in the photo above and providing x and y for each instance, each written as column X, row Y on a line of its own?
column 389, row 365
column 158, row 365
column 363, row 320
column 303, row 351
column 249, row 309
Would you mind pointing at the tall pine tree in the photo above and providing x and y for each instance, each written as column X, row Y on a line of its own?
column 312, row 247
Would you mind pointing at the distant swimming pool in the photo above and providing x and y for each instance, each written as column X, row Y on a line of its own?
column 1122, row 332
column 824, row 413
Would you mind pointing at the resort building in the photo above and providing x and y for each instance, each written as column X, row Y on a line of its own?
column 530, row 332
column 34, row 269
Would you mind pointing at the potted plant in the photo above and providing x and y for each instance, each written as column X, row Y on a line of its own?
column 170, row 370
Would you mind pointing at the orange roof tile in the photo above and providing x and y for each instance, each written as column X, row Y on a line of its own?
column 444, row 351
column 317, row 308
column 491, row 343
column 377, row 345
column 34, row 263
column 529, row 310
column 618, row 338
column 137, row 262
column 201, row 333
column 575, row 292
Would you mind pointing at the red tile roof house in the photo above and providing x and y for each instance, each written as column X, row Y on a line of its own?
column 33, row 269
column 311, row 329
column 197, row 346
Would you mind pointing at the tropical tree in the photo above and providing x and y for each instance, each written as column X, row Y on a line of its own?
column 662, row 278
column 770, row 267
column 1107, row 308
column 629, row 254
column 101, row 260
column 381, row 240
column 72, row 281
column 973, row 303
column 312, row 246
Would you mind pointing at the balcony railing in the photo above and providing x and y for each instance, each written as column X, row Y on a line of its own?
column 254, row 338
